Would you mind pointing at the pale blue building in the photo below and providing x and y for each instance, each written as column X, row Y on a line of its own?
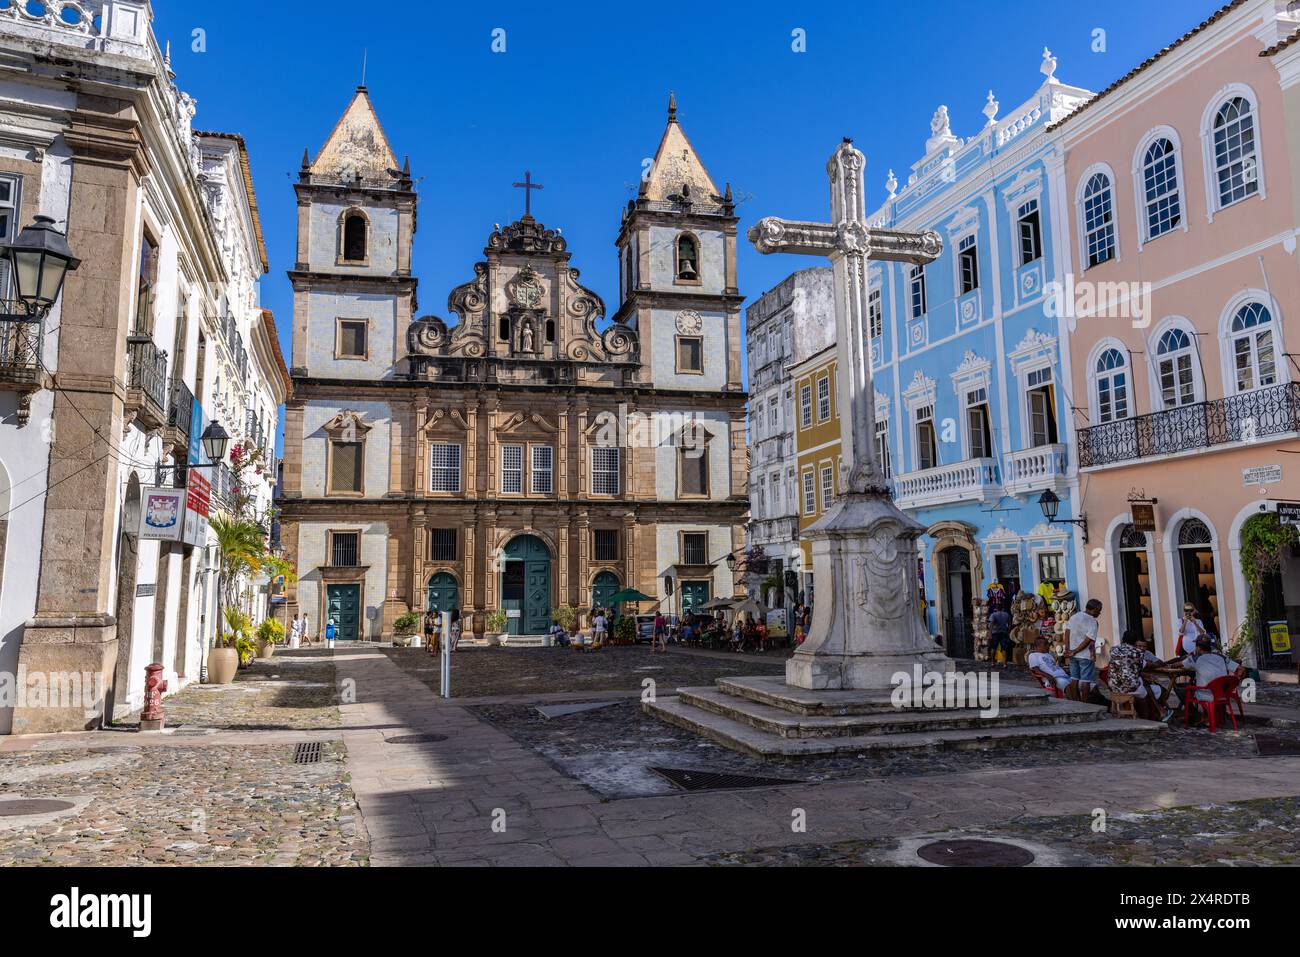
column 974, row 418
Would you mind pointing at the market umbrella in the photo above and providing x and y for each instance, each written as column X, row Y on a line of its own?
column 715, row 604
column 750, row 607
column 628, row 594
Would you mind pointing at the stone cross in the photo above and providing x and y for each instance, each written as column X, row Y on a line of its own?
column 528, row 186
column 849, row 243
column 867, row 622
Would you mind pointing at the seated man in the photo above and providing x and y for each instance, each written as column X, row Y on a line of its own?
column 1126, row 663
column 1164, row 693
column 1208, row 665
column 1040, row 659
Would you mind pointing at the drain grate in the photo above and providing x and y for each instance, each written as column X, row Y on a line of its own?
column 1273, row 747
column 975, row 854
column 28, row 807
column 307, row 753
column 690, row 779
column 415, row 739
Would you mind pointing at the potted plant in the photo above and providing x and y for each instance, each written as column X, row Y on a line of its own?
column 404, row 627
column 625, row 631
column 566, row 616
column 494, row 623
column 269, row 634
column 241, row 545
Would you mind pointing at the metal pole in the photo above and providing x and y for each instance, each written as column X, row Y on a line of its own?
column 445, row 682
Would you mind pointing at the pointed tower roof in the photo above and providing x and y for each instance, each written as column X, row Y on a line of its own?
column 676, row 163
column 357, row 145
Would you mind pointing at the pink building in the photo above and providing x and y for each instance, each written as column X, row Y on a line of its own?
column 1181, row 306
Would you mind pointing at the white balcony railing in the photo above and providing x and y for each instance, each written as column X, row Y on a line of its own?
column 1032, row 470
column 970, row 480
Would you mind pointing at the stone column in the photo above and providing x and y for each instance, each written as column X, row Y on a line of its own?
column 74, row 630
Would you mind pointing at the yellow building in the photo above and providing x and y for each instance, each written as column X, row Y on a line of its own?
column 817, row 447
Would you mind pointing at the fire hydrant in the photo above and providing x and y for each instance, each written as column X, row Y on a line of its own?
column 151, row 718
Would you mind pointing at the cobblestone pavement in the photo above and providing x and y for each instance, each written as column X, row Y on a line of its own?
column 182, row 805
column 611, row 748
column 1238, row 834
column 479, row 672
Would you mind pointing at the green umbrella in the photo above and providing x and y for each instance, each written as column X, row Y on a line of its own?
column 628, row 594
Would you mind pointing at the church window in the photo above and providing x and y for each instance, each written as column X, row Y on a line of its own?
column 343, row 549
column 688, row 258
column 690, row 354
column 442, row 544
column 875, row 314
column 823, row 398
column 916, row 289
column 444, row 467
column 1030, row 229
column 693, row 469
column 805, row 407
column 350, row 341
column 1098, row 220
column 345, row 468
column 968, row 265
column 512, row 468
column 695, row 548
column 604, row 544
column 354, row 237
column 503, row 329
column 604, row 470
column 550, row 330
column 542, row 478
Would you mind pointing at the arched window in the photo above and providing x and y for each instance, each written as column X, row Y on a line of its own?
column 1236, row 163
column 1175, row 365
column 550, row 330
column 1099, row 220
column 1254, row 361
column 1112, row 386
column 1160, row 188
column 354, row 237
column 688, row 258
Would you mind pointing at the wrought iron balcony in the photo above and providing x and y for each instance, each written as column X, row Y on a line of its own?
column 969, row 480
column 1031, row 470
column 21, row 339
column 146, row 381
column 180, row 412
column 1247, row 417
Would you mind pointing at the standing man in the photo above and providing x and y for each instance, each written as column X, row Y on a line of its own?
column 295, row 632
column 1081, row 646
column 306, row 630
column 1000, row 636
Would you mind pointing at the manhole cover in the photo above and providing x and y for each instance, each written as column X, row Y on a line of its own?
column 26, row 807
column 415, row 739
column 307, row 753
column 975, row 854
column 690, row 779
column 1271, row 747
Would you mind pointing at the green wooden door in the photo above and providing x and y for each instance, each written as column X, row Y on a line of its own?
column 693, row 594
column 526, row 586
column 603, row 588
column 344, row 607
column 444, row 593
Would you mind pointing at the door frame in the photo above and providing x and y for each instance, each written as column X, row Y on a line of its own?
column 361, row 609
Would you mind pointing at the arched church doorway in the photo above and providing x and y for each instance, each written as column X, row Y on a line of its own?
column 1196, row 563
column 443, row 593
column 958, row 591
column 526, row 586
column 603, row 587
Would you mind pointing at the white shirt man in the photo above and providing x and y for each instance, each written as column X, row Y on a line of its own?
column 1044, row 662
column 598, row 626
column 1083, row 635
column 1208, row 665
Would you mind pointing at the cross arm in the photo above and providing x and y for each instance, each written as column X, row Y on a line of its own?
column 775, row 235
column 898, row 245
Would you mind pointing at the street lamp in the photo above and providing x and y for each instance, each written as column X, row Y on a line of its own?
column 731, row 561
column 215, row 439
column 41, row 259
column 1050, row 503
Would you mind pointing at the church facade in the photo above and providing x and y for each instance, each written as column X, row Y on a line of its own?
column 532, row 452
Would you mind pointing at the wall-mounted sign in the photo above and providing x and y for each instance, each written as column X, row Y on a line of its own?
column 196, row 529
column 146, row 591
column 199, row 499
column 1262, row 475
column 1279, row 637
column 1288, row 512
column 1143, row 516
column 162, row 514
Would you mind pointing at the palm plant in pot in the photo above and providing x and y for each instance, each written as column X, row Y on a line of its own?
column 269, row 634
column 495, row 624
column 241, row 547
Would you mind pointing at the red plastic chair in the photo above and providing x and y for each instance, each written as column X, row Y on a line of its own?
column 1224, row 691
column 1047, row 682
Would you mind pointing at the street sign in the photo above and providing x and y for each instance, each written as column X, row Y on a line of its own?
column 1143, row 516
column 162, row 514
column 1288, row 512
column 1262, row 475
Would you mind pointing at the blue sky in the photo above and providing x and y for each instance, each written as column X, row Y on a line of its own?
column 579, row 98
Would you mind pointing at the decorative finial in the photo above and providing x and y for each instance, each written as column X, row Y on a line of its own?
column 891, row 184
column 672, row 107
column 991, row 110
column 306, row 157
column 406, row 166
column 1048, row 67
column 726, row 195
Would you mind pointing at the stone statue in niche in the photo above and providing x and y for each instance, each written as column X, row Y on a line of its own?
column 526, row 337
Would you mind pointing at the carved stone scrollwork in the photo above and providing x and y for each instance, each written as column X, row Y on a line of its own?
column 620, row 340
column 469, row 298
column 427, row 336
column 527, row 236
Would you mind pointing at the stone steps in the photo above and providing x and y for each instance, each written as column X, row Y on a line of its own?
column 787, row 724
column 773, row 691
column 743, row 737
column 525, row 641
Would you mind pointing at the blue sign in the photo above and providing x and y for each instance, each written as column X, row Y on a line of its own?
column 198, row 423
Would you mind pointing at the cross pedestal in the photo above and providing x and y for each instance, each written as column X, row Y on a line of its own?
column 867, row 618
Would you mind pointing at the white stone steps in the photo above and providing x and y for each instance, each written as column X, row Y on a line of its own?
column 773, row 691
column 750, row 740
column 774, row 720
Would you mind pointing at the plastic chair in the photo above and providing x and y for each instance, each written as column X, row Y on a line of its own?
column 1047, row 682
column 1224, row 692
